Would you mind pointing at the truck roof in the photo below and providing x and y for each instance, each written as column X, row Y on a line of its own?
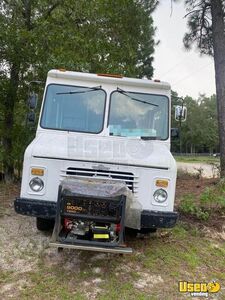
column 108, row 79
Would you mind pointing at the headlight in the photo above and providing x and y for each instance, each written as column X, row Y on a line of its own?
column 160, row 196
column 36, row 184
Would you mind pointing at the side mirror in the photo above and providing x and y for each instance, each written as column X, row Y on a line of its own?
column 31, row 118
column 32, row 101
column 180, row 113
column 175, row 133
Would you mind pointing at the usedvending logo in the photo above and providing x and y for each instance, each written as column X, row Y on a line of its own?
column 199, row 289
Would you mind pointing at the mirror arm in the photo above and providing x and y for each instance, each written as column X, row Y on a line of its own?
column 30, row 118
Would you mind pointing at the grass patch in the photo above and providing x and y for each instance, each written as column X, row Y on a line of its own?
column 184, row 252
column 178, row 253
column 5, row 276
column 210, row 202
column 173, row 255
column 200, row 159
column 184, row 255
column 53, row 283
column 213, row 198
column 8, row 193
column 120, row 289
column 189, row 206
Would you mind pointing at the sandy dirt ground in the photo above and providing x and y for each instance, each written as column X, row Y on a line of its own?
column 200, row 169
column 24, row 250
column 27, row 262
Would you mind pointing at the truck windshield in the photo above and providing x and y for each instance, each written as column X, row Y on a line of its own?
column 138, row 115
column 74, row 108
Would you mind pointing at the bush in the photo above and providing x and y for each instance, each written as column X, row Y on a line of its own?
column 188, row 205
column 212, row 200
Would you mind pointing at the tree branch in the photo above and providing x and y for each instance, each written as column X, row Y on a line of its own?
column 202, row 24
column 52, row 8
column 27, row 14
column 191, row 12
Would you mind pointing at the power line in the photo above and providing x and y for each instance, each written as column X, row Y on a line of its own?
column 190, row 75
column 174, row 67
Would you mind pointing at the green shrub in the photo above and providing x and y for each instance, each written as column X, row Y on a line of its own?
column 212, row 200
column 188, row 205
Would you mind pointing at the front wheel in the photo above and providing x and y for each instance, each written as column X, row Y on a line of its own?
column 44, row 224
column 133, row 232
column 148, row 230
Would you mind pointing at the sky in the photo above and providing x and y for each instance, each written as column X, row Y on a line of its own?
column 187, row 72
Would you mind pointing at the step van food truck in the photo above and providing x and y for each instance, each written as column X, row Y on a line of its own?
column 100, row 160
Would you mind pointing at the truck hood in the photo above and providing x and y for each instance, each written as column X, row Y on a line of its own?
column 102, row 149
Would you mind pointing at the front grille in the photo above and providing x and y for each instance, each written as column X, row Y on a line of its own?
column 126, row 177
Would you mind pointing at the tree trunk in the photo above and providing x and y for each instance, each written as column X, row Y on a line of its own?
column 7, row 139
column 219, row 61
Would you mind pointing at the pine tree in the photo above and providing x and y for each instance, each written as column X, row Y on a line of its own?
column 114, row 36
column 207, row 31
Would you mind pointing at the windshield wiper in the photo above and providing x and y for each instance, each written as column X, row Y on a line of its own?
column 132, row 98
column 150, row 138
column 87, row 90
column 144, row 138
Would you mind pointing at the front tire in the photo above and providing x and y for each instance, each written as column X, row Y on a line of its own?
column 44, row 224
column 148, row 230
column 134, row 232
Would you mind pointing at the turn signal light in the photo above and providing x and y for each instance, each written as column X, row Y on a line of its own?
column 162, row 183
column 37, row 172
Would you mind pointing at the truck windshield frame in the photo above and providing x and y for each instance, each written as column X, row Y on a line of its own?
column 116, row 127
column 92, row 103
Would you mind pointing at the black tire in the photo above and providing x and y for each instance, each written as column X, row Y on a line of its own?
column 44, row 224
column 131, row 232
column 147, row 230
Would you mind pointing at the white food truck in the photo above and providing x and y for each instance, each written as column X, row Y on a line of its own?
column 108, row 132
